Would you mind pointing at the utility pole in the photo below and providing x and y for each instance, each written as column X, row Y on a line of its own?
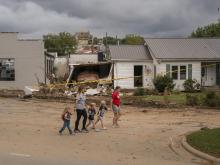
column 218, row 14
column 106, row 39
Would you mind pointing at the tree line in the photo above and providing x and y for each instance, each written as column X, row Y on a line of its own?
column 209, row 31
column 65, row 43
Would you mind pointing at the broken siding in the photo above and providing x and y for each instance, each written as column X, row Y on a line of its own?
column 196, row 71
column 126, row 70
column 83, row 58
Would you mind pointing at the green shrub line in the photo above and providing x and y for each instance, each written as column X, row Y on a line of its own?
column 191, row 85
column 163, row 82
column 199, row 98
column 207, row 140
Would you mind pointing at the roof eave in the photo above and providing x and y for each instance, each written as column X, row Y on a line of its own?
column 188, row 59
column 132, row 60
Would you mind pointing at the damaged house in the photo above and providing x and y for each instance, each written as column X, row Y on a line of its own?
column 86, row 67
column 22, row 62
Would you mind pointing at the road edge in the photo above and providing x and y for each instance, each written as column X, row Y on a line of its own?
column 198, row 153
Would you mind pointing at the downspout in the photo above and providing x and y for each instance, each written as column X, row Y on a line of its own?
column 45, row 66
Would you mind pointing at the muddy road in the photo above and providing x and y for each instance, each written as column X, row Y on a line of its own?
column 29, row 135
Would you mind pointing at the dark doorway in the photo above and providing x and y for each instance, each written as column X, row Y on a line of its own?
column 218, row 74
column 138, row 76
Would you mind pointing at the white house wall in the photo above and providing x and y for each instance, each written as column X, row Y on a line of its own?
column 126, row 70
column 29, row 60
column 196, row 71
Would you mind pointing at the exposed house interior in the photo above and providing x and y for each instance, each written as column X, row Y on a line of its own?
column 83, row 72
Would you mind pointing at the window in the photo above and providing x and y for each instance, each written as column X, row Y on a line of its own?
column 7, row 69
column 168, row 70
column 175, row 72
column 182, row 72
column 189, row 71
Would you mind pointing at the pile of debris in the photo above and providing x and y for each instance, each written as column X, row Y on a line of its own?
column 63, row 92
column 11, row 93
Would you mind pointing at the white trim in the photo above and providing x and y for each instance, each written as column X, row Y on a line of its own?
column 179, row 65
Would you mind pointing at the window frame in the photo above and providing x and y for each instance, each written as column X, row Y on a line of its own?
column 177, row 72
column 10, row 71
column 186, row 70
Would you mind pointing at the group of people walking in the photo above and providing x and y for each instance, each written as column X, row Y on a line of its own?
column 89, row 112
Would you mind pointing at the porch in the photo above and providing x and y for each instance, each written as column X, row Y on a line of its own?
column 210, row 74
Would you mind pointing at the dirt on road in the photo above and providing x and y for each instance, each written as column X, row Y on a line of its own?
column 146, row 136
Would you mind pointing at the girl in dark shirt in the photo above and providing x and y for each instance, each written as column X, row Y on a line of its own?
column 102, row 109
column 91, row 112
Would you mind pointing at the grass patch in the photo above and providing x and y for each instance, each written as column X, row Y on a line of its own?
column 175, row 98
column 207, row 141
column 179, row 98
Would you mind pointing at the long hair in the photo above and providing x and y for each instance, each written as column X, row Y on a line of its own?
column 66, row 109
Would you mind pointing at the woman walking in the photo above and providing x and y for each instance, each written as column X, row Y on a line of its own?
column 116, row 101
column 81, row 110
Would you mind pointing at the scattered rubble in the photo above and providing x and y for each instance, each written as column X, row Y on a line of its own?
column 28, row 90
column 11, row 93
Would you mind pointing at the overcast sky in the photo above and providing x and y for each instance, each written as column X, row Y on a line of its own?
column 150, row 18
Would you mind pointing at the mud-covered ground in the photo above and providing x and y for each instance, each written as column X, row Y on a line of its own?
column 29, row 135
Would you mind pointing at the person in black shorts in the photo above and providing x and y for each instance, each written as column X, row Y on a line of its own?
column 91, row 113
column 102, row 109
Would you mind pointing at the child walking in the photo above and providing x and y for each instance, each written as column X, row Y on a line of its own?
column 102, row 109
column 66, row 116
column 91, row 112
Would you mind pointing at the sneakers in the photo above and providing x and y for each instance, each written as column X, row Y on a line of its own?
column 97, row 130
column 104, row 128
column 77, row 131
column 84, row 130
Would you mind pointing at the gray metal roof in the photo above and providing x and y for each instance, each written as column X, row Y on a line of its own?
column 184, row 48
column 129, row 52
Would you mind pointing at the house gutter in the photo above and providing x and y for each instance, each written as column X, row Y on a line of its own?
column 184, row 59
column 128, row 60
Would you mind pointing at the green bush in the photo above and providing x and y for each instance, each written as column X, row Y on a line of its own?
column 211, row 99
column 192, row 100
column 191, row 85
column 139, row 92
column 151, row 92
column 163, row 82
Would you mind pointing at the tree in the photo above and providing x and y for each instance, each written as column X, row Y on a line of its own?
column 110, row 40
column 212, row 30
column 132, row 39
column 62, row 43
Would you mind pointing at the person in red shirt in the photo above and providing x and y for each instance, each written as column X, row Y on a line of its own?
column 116, row 101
